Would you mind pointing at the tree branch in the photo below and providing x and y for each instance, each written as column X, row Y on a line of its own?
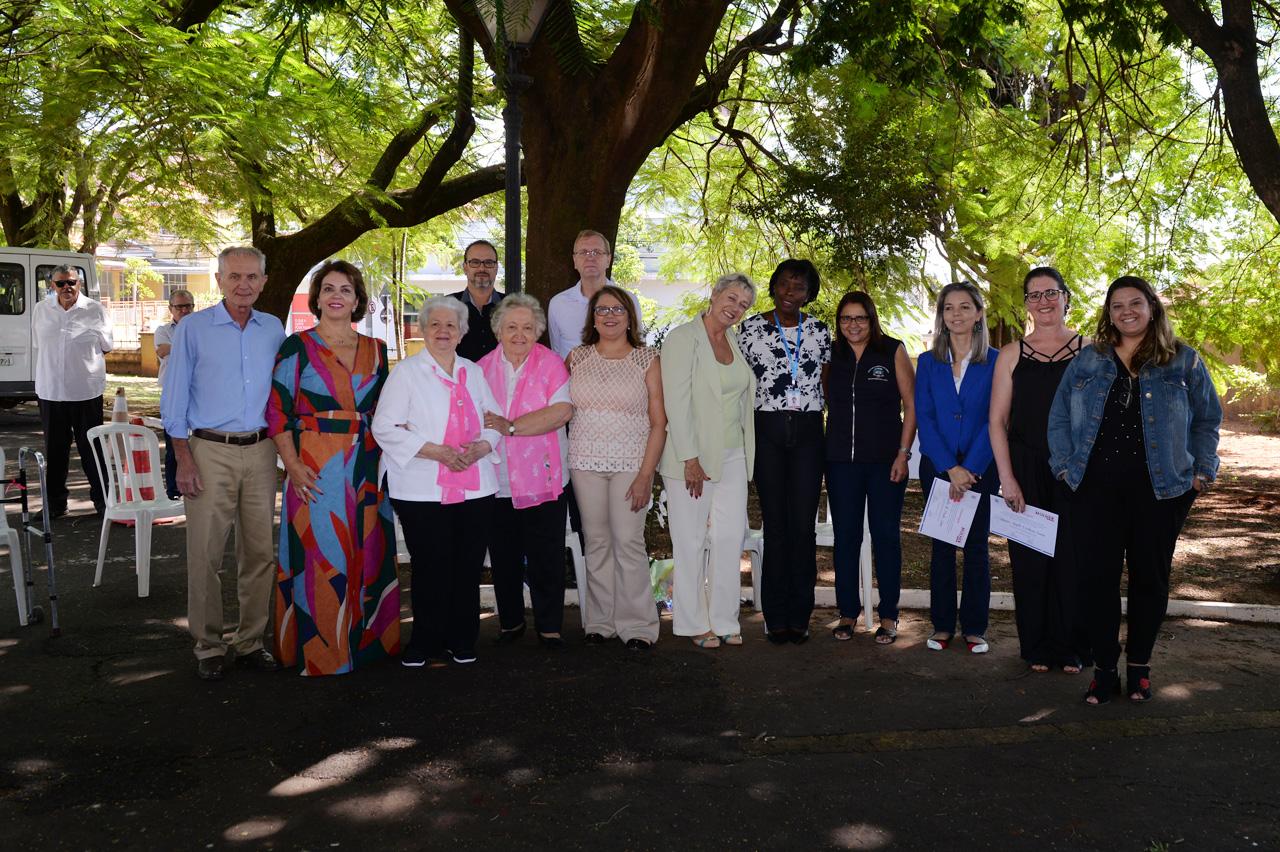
column 193, row 13
column 764, row 39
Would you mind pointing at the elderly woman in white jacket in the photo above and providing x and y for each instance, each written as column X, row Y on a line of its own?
column 430, row 425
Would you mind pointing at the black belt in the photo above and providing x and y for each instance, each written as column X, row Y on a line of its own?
column 225, row 438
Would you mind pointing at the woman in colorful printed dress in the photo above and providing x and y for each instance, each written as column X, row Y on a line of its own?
column 337, row 597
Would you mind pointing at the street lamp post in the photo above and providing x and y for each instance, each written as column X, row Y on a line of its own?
column 512, row 24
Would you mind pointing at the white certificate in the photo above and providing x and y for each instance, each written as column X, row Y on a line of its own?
column 946, row 519
column 1033, row 527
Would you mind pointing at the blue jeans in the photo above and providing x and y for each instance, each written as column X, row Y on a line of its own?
column 975, row 601
column 850, row 487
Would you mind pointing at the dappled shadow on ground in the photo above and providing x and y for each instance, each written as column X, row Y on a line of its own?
column 846, row 745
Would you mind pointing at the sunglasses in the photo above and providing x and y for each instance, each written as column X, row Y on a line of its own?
column 65, row 282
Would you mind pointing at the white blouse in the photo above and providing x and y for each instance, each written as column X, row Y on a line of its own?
column 413, row 410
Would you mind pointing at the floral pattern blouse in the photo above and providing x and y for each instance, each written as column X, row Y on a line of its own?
column 762, row 346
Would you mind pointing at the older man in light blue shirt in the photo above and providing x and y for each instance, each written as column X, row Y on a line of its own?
column 214, row 411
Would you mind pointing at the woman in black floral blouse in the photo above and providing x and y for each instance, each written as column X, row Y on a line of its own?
column 789, row 353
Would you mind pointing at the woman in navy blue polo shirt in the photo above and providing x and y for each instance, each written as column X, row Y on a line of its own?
column 953, row 398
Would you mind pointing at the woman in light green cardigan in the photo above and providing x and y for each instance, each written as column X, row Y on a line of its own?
column 708, row 391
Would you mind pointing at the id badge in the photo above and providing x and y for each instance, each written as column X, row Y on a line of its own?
column 794, row 401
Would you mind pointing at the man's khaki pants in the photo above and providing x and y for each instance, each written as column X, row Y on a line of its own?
column 240, row 490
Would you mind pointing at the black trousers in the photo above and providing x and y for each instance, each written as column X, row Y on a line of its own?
column 790, row 458
column 64, row 422
column 529, row 548
column 446, row 554
column 1047, row 590
column 1121, row 522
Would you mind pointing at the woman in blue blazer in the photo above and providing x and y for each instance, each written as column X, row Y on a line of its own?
column 953, row 398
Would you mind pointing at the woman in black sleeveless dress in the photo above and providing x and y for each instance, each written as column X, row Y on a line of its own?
column 1045, row 588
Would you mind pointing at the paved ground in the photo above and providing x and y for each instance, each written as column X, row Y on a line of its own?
column 111, row 742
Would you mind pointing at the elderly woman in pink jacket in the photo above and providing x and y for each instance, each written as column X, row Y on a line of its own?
column 531, row 386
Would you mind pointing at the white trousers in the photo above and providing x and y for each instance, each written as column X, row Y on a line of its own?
column 619, row 599
column 706, row 540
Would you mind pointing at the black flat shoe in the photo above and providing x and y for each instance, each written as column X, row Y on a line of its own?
column 259, row 660
column 778, row 637
column 798, row 637
column 639, row 644
column 551, row 643
column 506, row 637
column 594, row 639
column 211, row 668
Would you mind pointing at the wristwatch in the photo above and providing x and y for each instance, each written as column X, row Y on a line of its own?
column 906, row 451
column 511, row 428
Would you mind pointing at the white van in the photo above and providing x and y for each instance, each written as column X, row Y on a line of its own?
column 24, row 280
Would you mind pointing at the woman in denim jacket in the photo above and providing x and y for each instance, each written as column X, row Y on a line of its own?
column 953, row 399
column 1134, row 432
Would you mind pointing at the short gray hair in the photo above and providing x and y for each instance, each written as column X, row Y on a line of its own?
column 181, row 291
column 62, row 269
column 520, row 300
column 734, row 279
column 586, row 233
column 444, row 303
column 243, row 251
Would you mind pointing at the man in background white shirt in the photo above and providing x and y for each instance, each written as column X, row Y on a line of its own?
column 181, row 303
column 71, row 335
column 567, row 311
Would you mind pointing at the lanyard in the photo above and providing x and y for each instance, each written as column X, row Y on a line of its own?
column 792, row 359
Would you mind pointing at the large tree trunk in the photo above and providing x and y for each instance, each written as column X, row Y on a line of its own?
column 1232, row 47
column 588, row 131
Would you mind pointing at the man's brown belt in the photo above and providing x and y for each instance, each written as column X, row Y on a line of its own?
column 224, row 438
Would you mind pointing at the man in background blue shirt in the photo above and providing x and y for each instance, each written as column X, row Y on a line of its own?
column 214, row 411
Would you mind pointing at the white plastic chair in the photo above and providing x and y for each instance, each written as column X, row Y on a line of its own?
column 10, row 536
column 133, row 485
column 753, row 543
column 574, row 545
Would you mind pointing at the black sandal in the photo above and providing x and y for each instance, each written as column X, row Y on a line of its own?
column 1105, row 683
column 1138, row 683
column 887, row 635
column 843, row 632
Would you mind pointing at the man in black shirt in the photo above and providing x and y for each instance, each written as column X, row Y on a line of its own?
column 480, row 264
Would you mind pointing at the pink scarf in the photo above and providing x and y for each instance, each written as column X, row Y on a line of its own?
column 533, row 462
column 463, row 428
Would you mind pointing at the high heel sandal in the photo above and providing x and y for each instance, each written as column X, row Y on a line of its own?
column 1138, row 683
column 1105, row 683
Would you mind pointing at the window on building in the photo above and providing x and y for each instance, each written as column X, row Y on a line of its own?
column 13, row 289
column 44, row 275
column 173, row 281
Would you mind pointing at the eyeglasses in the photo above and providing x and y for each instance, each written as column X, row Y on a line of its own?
column 610, row 310
column 183, row 307
column 65, row 282
column 486, row 264
column 1126, row 395
column 1050, row 295
column 591, row 253
column 855, row 320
